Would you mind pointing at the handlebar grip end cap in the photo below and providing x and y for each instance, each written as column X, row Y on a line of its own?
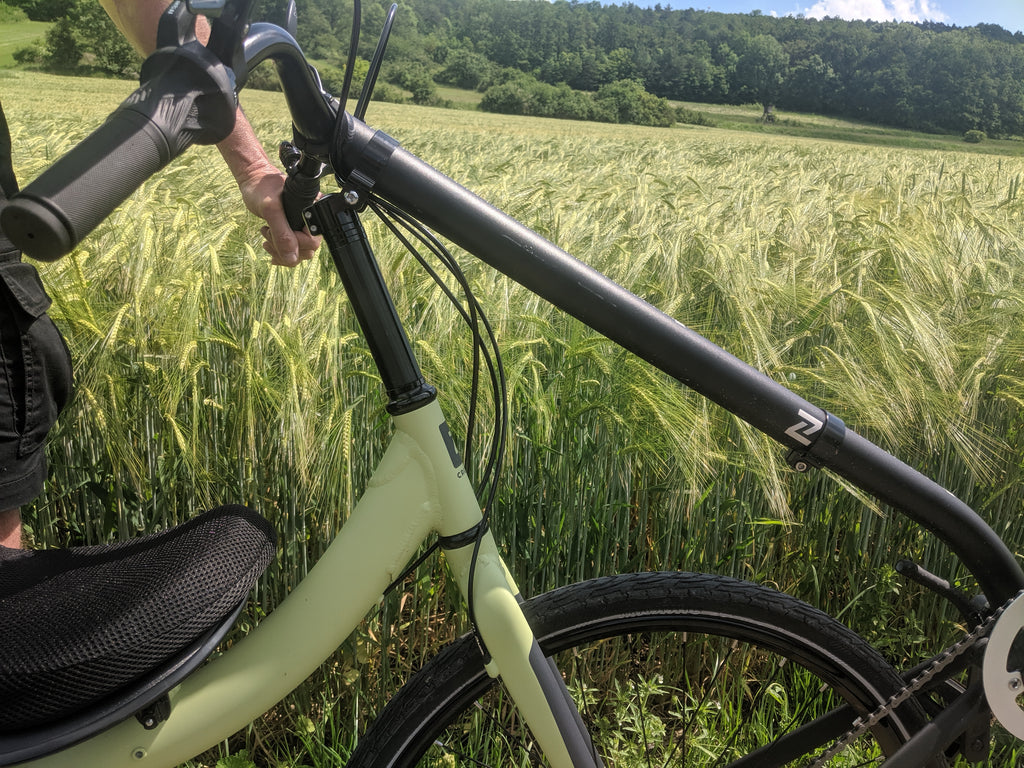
column 36, row 229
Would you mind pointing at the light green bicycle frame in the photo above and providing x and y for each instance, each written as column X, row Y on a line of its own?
column 419, row 487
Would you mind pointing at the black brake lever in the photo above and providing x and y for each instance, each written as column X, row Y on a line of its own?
column 177, row 26
column 229, row 24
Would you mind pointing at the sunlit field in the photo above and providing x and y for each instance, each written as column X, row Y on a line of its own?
column 18, row 35
column 884, row 284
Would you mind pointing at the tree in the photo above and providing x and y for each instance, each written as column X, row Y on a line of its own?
column 42, row 10
column 812, row 86
column 919, row 76
column 9, row 14
column 762, row 69
column 417, row 81
column 622, row 64
column 63, row 52
column 688, row 72
column 513, row 97
column 563, row 67
column 464, row 68
column 85, row 31
column 97, row 35
column 626, row 101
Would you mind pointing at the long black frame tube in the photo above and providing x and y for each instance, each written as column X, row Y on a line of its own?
column 376, row 162
column 545, row 269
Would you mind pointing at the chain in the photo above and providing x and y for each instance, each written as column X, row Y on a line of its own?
column 939, row 663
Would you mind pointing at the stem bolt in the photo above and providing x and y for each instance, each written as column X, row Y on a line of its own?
column 352, row 197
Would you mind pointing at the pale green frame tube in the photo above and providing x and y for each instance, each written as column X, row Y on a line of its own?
column 419, row 487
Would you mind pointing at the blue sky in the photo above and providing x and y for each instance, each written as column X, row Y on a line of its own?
column 961, row 13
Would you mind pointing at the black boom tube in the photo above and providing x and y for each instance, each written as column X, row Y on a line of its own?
column 514, row 250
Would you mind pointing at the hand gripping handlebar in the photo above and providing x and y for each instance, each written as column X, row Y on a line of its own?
column 187, row 96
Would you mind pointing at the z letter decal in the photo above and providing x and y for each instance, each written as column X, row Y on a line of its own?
column 802, row 431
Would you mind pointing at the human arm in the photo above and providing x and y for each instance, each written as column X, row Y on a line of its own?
column 258, row 179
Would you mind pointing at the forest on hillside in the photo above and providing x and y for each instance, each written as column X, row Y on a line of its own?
column 542, row 57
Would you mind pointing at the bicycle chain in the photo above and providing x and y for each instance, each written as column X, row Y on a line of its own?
column 939, row 663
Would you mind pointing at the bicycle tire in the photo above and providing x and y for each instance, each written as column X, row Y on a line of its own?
column 423, row 723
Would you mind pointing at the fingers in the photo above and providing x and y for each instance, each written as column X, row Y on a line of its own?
column 262, row 195
column 287, row 247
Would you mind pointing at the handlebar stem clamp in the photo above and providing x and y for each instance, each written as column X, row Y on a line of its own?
column 364, row 157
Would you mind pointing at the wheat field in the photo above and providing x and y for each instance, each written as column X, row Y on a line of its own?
column 886, row 285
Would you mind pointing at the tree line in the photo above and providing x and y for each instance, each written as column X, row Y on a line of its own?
column 926, row 76
column 919, row 76
column 622, row 62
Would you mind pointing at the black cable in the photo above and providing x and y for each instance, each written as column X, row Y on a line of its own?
column 350, row 65
column 412, row 567
column 485, row 351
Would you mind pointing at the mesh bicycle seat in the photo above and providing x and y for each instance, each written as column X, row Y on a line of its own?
column 82, row 627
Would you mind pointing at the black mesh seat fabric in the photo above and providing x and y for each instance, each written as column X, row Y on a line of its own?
column 78, row 625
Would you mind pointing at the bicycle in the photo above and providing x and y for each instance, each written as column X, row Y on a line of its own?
column 632, row 631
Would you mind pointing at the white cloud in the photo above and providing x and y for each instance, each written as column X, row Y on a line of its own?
column 878, row 10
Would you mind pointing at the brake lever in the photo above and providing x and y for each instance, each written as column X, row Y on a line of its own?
column 177, row 26
column 229, row 24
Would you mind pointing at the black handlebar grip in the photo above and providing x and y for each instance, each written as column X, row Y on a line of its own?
column 83, row 187
column 187, row 97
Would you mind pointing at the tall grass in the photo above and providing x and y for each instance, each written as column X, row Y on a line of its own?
column 884, row 285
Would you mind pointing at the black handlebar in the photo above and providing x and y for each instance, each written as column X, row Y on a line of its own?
column 187, row 97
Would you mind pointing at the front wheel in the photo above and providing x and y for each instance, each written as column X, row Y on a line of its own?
column 676, row 669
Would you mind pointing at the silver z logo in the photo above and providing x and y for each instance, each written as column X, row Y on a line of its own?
column 803, row 431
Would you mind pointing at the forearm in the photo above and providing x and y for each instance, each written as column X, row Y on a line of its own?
column 243, row 152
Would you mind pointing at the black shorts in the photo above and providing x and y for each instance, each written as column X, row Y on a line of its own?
column 35, row 380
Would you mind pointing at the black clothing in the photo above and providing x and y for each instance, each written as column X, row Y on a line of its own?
column 35, row 365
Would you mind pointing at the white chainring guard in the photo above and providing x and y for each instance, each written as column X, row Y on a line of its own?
column 1002, row 688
